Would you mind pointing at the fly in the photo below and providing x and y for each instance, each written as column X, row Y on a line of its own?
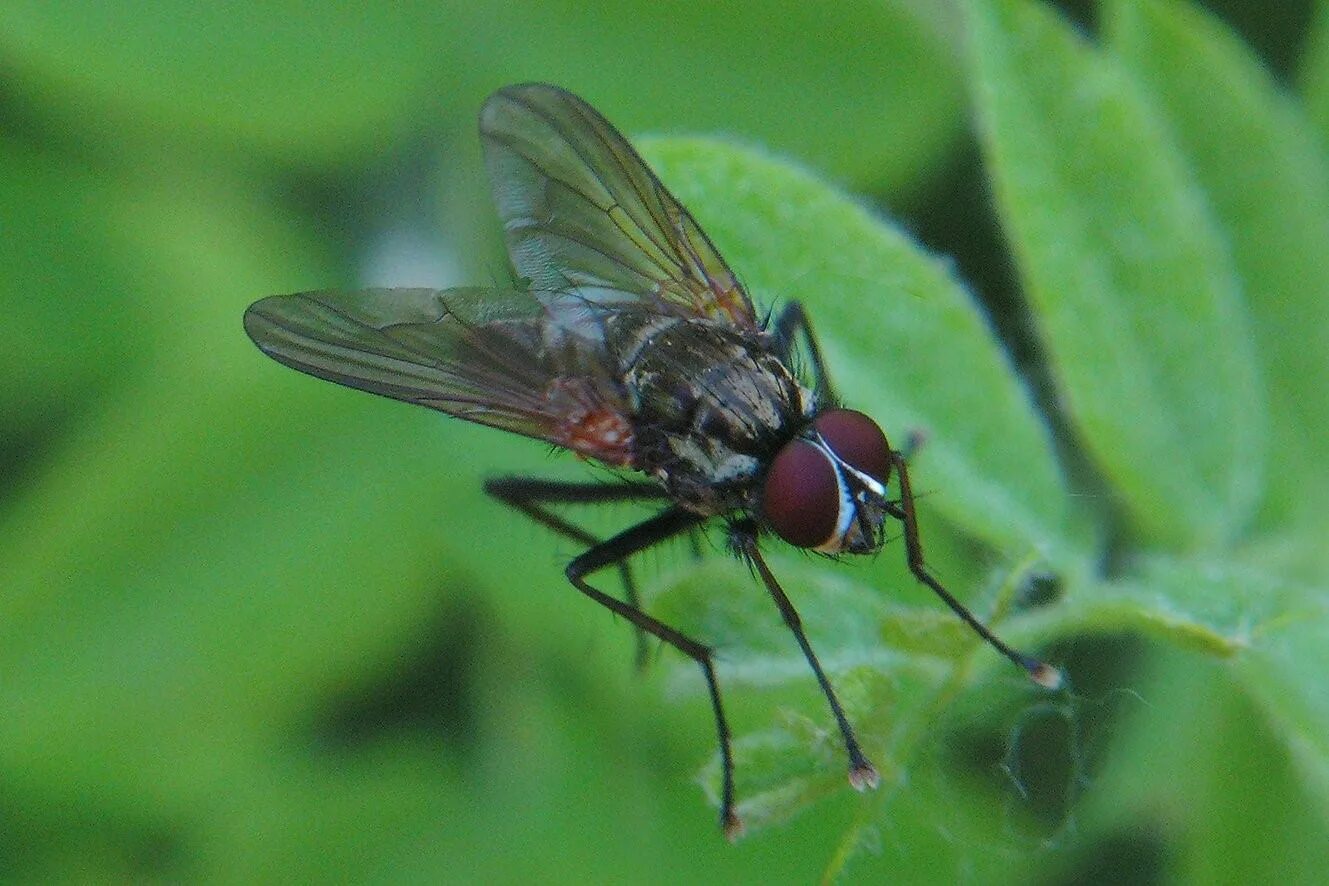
column 633, row 344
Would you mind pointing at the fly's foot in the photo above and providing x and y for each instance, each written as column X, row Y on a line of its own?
column 863, row 776
column 732, row 826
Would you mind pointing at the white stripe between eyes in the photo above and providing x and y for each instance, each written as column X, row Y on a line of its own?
column 835, row 543
column 848, row 508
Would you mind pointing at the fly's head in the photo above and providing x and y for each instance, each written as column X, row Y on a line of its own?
column 826, row 489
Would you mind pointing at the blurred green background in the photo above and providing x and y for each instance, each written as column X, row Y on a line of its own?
column 256, row 627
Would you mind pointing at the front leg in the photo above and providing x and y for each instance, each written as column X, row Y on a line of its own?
column 790, row 322
column 1040, row 672
column 743, row 533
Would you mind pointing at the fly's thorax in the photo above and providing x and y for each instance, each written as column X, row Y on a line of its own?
column 711, row 404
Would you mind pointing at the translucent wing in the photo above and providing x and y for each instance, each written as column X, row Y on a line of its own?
column 477, row 354
column 587, row 221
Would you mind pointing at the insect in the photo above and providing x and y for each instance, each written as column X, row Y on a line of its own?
column 630, row 343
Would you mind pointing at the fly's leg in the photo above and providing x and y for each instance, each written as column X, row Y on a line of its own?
column 862, row 774
column 794, row 320
column 614, row 551
column 791, row 321
column 530, row 495
column 1041, row 673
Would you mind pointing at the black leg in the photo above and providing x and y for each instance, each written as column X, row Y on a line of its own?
column 793, row 319
column 664, row 525
column 862, row 774
column 530, row 494
column 1041, row 673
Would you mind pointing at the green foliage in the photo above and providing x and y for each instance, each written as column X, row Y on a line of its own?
column 310, row 85
column 1315, row 70
column 1137, row 300
column 223, row 581
column 1263, row 172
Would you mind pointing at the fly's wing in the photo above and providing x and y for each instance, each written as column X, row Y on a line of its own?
column 589, row 224
column 477, row 354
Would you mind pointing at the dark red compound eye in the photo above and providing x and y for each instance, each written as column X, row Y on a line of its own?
column 857, row 440
column 801, row 499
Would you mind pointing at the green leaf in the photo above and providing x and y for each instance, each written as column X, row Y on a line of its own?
column 781, row 771
column 1197, row 763
column 894, row 668
column 720, row 603
column 1284, row 671
column 1267, row 179
column 903, row 339
column 1277, row 632
column 1314, row 73
column 1130, row 280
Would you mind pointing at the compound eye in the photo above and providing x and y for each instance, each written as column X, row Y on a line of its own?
column 801, row 499
column 857, row 440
